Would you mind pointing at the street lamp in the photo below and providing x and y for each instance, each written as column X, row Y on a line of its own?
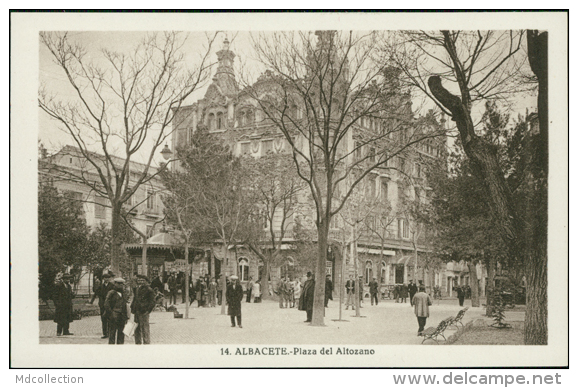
column 166, row 152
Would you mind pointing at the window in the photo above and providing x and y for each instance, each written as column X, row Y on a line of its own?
column 370, row 188
column 100, row 207
column 384, row 190
column 266, row 147
column 149, row 230
column 357, row 150
column 418, row 170
column 220, row 122
column 243, row 269
column 372, row 155
column 368, row 271
column 181, row 137
column 150, row 200
column 245, row 148
column 383, row 272
column 249, row 117
column 403, row 229
column 402, row 164
column 211, row 122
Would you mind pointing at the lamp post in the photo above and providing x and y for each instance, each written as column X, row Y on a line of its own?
column 167, row 154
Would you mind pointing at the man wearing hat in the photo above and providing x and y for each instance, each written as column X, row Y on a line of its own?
column 307, row 296
column 102, row 291
column 421, row 302
column 234, row 298
column 62, row 299
column 142, row 305
column 328, row 289
column 116, row 312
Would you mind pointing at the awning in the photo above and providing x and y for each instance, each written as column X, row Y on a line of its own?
column 406, row 260
column 375, row 251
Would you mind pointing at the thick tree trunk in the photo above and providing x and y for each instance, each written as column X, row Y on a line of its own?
column 536, row 324
column 265, row 292
column 116, row 242
column 319, row 298
column 474, row 284
column 490, row 286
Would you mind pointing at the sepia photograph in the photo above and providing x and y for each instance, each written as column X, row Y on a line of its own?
column 334, row 191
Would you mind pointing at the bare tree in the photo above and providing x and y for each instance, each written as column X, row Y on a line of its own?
column 339, row 113
column 122, row 103
column 274, row 189
column 481, row 66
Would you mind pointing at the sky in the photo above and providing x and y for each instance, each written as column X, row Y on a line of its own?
column 54, row 80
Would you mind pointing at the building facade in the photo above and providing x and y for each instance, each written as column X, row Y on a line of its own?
column 388, row 246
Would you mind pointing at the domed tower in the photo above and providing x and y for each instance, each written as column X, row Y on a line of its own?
column 225, row 75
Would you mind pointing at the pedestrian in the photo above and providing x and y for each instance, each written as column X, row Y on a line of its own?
column 62, row 298
column 350, row 287
column 213, row 293
column 374, row 291
column 142, row 305
column 116, row 312
column 257, row 291
column 403, row 293
column 396, row 291
column 421, row 302
column 102, row 291
column 307, row 296
column 249, row 289
column 234, row 298
column 297, row 291
column 156, row 283
column 461, row 295
column 219, row 290
column 173, row 288
column 97, row 281
column 328, row 289
column 412, row 288
column 282, row 293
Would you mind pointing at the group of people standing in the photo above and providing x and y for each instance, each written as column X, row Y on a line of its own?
column 113, row 298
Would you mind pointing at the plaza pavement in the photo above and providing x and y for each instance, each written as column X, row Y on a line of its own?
column 265, row 323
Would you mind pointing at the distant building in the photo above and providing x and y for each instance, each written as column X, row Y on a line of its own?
column 145, row 207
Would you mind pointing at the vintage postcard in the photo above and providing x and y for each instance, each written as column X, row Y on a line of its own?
column 289, row 190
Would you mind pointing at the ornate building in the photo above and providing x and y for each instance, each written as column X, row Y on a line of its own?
column 389, row 244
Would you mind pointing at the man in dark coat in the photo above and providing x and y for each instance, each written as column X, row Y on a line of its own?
column 173, row 288
column 156, row 283
column 116, row 312
column 234, row 297
column 350, row 287
column 249, row 289
column 328, row 289
column 102, row 291
column 412, row 288
column 374, row 291
column 62, row 298
column 307, row 296
column 403, row 293
column 142, row 305
column 461, row 295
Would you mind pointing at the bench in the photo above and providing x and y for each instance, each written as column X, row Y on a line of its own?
column 433, row 332
column 459, row 317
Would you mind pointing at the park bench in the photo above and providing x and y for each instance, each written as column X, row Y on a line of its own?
column 433, row 332
column 458, row 318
